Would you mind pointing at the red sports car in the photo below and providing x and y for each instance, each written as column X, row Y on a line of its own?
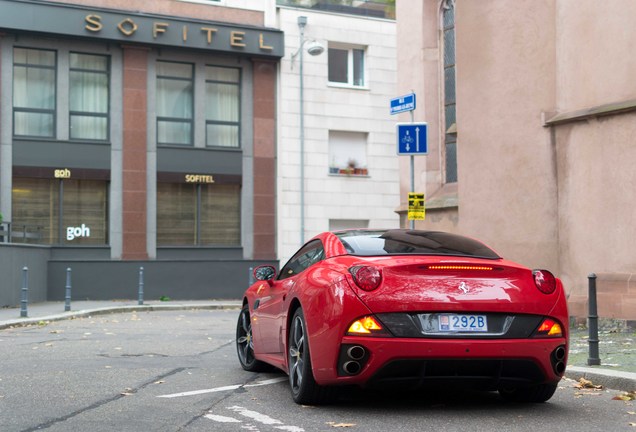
column 405, row 308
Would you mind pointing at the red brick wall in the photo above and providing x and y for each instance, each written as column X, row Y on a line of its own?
column 264, row 160
column 135, row 81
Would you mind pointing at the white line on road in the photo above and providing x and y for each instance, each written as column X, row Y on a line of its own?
column 255, row 416
column 225, row 388
column 221, row 419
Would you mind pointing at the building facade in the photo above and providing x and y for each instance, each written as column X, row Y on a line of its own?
column 337, row 162
column 531, row 118
column 137, row 143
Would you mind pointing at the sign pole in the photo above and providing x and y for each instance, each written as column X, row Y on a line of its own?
column 412, row 175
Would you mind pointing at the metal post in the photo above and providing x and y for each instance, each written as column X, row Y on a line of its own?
column 67, row 297
column 302, row 21
column 592, row 323
column 25, row 291
column 412, row 176
column 141, row 286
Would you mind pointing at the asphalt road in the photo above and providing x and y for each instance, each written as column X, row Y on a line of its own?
column 177, row 371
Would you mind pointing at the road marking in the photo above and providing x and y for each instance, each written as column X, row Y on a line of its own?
column 221, row 419
column 255, row 416
column 225, row 388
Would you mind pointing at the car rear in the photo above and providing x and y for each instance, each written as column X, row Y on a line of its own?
column 473, row 319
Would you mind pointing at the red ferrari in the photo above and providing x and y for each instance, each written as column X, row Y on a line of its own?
column 405, row 308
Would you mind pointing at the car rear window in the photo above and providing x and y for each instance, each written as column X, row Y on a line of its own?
column 412, row 242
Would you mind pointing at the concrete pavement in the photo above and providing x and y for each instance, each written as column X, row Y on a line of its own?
column 41, row 313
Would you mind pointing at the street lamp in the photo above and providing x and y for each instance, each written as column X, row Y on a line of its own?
column 313, row 48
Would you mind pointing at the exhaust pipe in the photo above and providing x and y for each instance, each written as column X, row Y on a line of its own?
column 356, row 352
column 352, row 367
column 558, row 357
column 559, row 353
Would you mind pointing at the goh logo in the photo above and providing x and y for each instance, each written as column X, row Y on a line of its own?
column 80, row 231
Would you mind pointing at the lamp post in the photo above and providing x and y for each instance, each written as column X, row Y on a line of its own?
column 314, row 50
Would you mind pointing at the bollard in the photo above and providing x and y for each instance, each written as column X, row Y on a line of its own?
column 141, row 286
column 25, row 292
column 250, row 280
column 67, row 297
column 593, row 358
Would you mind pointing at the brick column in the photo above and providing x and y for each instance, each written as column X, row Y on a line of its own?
column 135, row 83
column 264, row 159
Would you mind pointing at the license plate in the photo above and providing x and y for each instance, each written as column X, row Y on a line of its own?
column 463, row 323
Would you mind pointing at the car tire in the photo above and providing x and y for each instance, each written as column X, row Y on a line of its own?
column 304, row 389
column 245, row 343
column 534, row 394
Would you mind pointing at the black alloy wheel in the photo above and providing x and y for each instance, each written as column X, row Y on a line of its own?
column 245, row 343
column 301, row 379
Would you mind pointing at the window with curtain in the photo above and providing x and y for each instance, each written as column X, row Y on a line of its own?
column 40, row 204
column 222, row 106
column 34, row 92
column 346, row 65
column 450, row 136
column 174, row 103
column 198, row 214
column 89, row 95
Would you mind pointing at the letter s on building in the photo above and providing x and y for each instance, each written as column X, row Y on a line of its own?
column 94, row 23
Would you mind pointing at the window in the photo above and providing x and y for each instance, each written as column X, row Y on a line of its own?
column 52, row 211
column 174, row 102
column 89, row 96
column 345, row 224
column 346, row 66
column 348, row 153
column 309, row 255
column 198, row 214
column 34, row 92
column 222, row 100
column 450, row 136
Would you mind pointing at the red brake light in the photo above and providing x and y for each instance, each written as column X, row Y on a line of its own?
column 549, row 328
column 460, row 267
column 544, row 280
column 367, row 278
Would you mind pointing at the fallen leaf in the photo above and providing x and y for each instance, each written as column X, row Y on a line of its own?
column 56, row 331
column 626, row 396
column 159, row 382
column 340, row 425
column 587, row 384
column 628, row 412
column 128, row 392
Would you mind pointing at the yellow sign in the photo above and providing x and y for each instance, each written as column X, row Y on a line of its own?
column 199, row 178
column 417, row 211
column 62, row 173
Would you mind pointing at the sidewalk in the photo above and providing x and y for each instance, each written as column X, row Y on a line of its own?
column 607, row 375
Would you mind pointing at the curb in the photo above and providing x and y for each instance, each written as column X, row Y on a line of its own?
column 24, row 322
column 611, row 379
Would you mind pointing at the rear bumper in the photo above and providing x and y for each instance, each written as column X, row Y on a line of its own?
column 478, row 363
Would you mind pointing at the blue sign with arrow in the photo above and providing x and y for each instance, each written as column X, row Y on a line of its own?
column 412, row 139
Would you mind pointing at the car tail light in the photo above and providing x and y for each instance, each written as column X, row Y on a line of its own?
column 367, row 278
column 544, row 280
column 549, row 328
column 366, row 326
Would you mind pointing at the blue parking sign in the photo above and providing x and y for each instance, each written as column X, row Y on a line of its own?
column 412, row 139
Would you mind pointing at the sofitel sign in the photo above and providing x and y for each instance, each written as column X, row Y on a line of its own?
column 74, row 20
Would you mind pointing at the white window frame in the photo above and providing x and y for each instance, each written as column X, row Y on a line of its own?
column 365, row 76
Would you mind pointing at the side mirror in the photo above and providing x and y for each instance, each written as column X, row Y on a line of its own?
column 264, row 273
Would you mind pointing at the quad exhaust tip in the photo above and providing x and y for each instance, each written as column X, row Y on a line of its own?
column 353, row 359
column 558, row 357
